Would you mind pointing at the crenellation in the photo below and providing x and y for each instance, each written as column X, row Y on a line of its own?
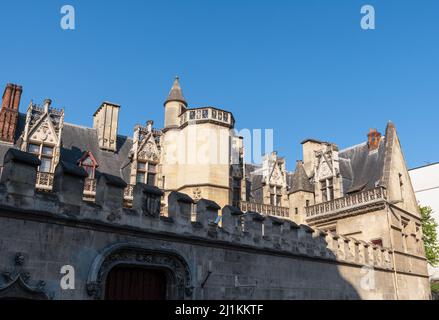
column 249, row 229
column 253, row 226
column 207, row 212
column 146, row 199
column 231, row 220
column 20, row 173
column 273, row 231
column 180, row 208
column 68, row 183
column 109, row 192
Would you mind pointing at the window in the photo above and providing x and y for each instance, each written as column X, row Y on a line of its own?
column 44, row 153
column 307, row 203
column 377, row 242
column 327, row 189
column 296, row 210
column 45, row 164
column 146, row 173
column 236, row 196
column 89, row 163
column 275, row 196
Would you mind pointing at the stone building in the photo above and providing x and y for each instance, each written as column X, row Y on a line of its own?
column 178, row 207
column 426, row 185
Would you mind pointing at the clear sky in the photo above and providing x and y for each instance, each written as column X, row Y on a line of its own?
column 304, row 68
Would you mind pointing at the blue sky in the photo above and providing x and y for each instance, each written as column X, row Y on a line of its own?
column 304, row 68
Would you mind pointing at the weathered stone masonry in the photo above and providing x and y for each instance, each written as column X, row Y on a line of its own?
column 248, row 256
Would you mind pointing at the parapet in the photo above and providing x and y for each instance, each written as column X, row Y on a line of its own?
column 203, row 220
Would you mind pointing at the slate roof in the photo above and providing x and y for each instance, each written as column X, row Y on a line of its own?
column 176, row 94
column 361, row 169
column 300, row 181
column 76, row 140
column 254, row 183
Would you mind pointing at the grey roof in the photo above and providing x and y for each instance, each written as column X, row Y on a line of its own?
column 300, row 181
column 76, row 140
column 361, row 169
column 176, row 94
column 254, row 183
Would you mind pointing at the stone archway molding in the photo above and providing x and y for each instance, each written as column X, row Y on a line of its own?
column 19, row 288
column 137, row 254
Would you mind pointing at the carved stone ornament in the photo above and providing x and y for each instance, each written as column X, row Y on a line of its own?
column 16, row 284
column 197, row 194
column 132, row 254
column 149, row 152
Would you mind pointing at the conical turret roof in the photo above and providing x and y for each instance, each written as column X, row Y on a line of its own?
column 176, row 94
column 300, row 180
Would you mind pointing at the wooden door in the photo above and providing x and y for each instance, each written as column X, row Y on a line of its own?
column 135, row 283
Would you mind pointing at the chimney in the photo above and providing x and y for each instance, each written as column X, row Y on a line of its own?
column 46, row 104
column 9, row 112
column 373, row 138
column 105, row 121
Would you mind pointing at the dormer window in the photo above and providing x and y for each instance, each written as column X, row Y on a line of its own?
column 89, row 163
column 275, row 196
column 146, row 173
column 327, row 189
column 44, row 153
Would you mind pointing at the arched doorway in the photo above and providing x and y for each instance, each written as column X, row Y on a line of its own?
column 125, row 282
column 116, row 273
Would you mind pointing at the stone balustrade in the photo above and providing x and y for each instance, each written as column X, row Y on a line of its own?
column 353, row 201
column 228, row 226
column 44, row 181
column 265, row 209
column 206, row 114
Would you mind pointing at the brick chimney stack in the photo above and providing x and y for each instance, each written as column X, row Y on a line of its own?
column 373, row 138
column 9, row 112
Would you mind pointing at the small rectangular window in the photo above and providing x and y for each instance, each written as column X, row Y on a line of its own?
column 141, row 166
column 151, row 179
column 152, row 168
column 140, row 177
column 377, row 242
column 48, row 151
column 33, row 148
column 45, row 165
column 278, row 200
column 272, row 199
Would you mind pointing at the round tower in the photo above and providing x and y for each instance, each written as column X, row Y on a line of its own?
column 175, row 104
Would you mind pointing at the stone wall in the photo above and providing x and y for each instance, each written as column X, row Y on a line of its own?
column 243, row 256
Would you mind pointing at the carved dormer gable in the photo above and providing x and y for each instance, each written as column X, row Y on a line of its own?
column 148, row 149
column 277, row 176
column 44, row 124
column 273, row 169
column 146, row 155
column 327, row 163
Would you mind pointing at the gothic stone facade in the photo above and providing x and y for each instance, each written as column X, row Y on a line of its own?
column 98, row 201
